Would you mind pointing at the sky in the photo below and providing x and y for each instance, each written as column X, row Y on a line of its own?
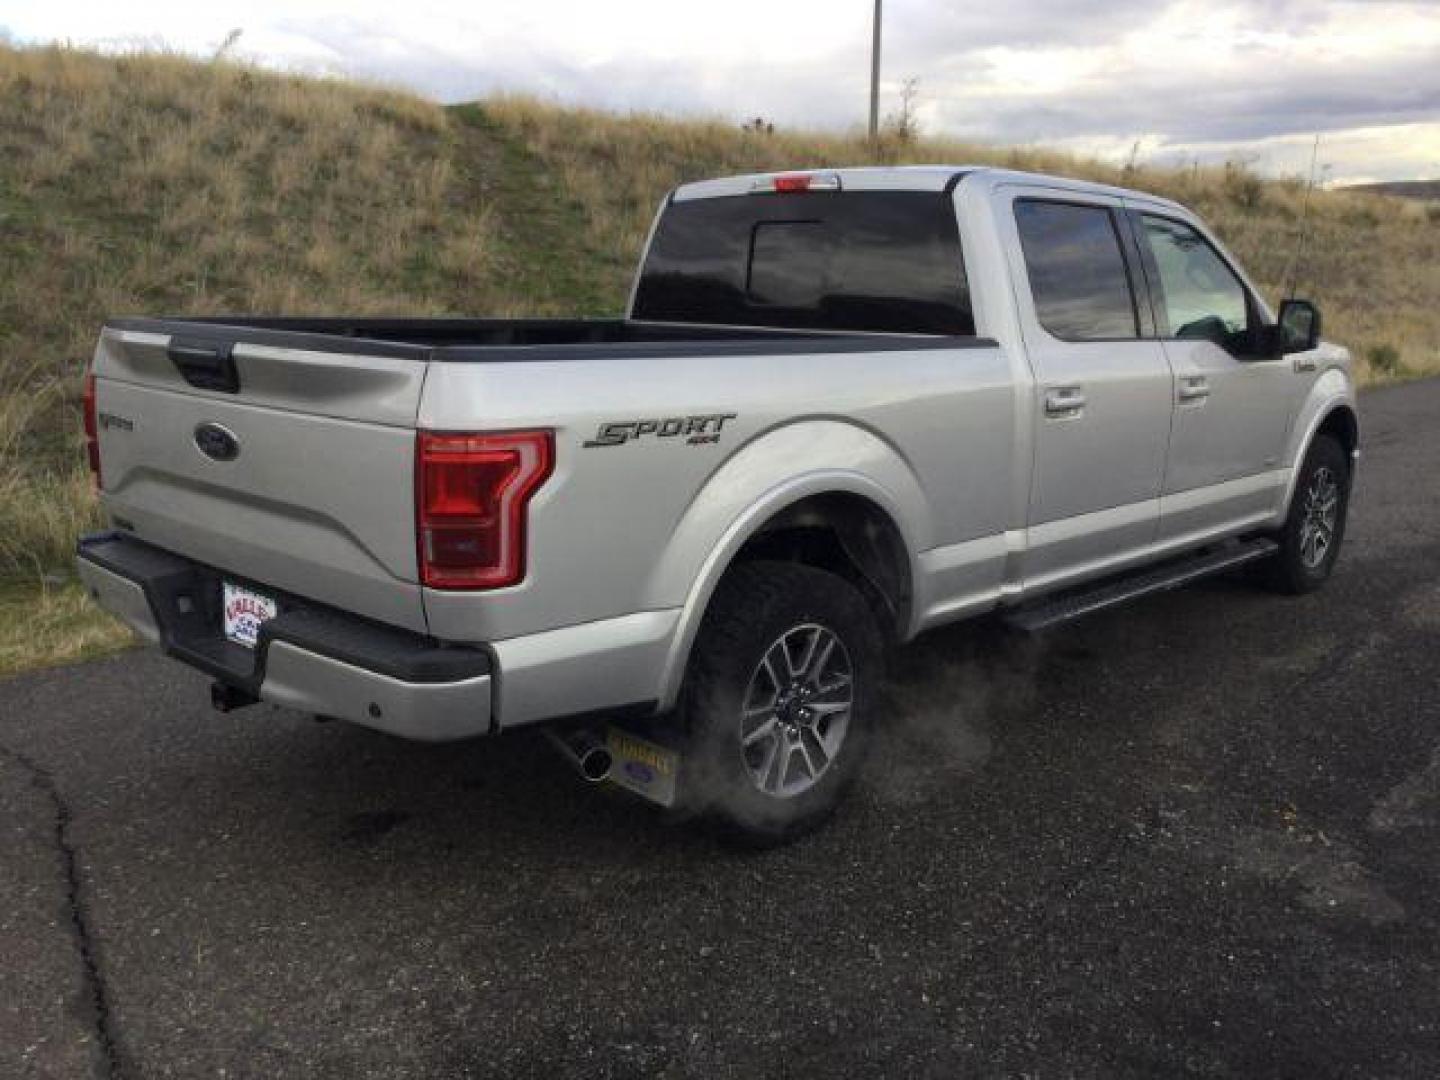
column 1185, row 80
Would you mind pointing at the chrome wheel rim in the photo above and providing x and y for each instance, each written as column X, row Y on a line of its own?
column 1321, row 511
column 796, row 711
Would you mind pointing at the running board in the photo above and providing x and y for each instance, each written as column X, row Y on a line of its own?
column 1044, row 614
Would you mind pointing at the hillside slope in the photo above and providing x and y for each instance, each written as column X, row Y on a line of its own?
column 154, row 183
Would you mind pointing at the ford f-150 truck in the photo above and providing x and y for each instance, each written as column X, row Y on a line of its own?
column 843, row 407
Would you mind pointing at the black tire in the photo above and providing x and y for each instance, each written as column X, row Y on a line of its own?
column 1294, row 569
column 757, row 608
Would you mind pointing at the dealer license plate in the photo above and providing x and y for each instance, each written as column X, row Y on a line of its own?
column 245, row 611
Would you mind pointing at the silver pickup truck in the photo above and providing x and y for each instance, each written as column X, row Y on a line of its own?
column 843, row 407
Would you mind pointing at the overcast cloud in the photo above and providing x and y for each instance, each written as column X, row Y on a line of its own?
column 1187, row 79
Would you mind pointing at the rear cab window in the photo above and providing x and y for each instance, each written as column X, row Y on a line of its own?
column 880, row 261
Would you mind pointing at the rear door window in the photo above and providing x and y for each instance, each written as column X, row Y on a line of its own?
column 887, row 261
column 1077, row 273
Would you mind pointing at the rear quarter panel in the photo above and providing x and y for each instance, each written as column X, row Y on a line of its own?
column 646, row 525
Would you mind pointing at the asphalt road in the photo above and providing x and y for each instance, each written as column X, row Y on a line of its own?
column 1195, row 837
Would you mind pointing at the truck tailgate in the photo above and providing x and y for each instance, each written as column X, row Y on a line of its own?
column 317, row 498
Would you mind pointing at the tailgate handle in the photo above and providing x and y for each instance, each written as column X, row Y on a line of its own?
column 206, row 365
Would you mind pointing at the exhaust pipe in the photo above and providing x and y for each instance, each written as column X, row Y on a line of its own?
column 585, row 749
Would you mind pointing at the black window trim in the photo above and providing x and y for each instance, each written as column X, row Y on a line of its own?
column 1133, row 277
column 1253, row 314
column 1149, row 317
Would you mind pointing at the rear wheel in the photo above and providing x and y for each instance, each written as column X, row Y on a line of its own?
column 1315, row 526
column 779, row 699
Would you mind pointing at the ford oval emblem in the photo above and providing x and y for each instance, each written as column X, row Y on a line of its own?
column 639, row 771
column 216, row 442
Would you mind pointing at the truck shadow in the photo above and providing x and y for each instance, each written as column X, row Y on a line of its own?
column 954, row 698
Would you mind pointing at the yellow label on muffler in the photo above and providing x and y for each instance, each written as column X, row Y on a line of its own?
column 647, row 769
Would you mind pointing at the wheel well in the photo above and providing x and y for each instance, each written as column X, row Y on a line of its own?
column 1342, row 426
column 847, row 535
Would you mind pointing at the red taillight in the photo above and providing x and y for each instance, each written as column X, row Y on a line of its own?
column 472, row 498
column 800, row 182
column 92, row 430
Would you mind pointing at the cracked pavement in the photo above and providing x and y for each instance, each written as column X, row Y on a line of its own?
column 1196, row 837
column 89, row 1002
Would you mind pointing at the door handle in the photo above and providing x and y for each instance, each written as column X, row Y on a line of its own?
column 1064, row 402
column 1195, row 388
column 207, row 365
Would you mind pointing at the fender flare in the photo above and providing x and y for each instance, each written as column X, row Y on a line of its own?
column 1330, row 393
column 781, row 468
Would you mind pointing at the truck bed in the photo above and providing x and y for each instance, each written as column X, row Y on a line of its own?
column 510, row 340
column 313, row 492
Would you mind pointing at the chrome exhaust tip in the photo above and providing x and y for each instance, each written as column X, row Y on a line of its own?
column 585, row 749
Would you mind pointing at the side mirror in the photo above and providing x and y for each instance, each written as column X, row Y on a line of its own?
column 1298, row 326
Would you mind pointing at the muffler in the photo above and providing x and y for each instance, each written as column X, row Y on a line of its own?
column 585, row 749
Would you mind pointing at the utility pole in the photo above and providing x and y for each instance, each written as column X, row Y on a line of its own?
column 875, row 77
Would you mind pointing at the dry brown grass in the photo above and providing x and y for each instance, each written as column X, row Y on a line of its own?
column 52, row 623
column 154, row 183
column 158, row 184
column 45, row 503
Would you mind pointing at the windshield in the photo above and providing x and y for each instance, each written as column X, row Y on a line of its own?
column 885, row 261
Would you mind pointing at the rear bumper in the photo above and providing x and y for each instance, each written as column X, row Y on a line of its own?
column 308, row 657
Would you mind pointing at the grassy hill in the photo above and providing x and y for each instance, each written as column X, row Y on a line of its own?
column 157, row 184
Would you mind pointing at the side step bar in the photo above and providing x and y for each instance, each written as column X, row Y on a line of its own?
column 1171, row 575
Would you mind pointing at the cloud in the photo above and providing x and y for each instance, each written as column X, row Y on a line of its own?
column 1176, row 106
column 1200, row 76
column 930, row 30
column 1182, row 73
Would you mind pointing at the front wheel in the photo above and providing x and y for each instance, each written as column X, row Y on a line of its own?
column 1315, row 526
column 779, row 699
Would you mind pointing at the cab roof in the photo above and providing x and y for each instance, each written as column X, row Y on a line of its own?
column 901, row 178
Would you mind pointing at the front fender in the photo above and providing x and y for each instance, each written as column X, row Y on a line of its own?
column 1331, row 390
column 774, row 471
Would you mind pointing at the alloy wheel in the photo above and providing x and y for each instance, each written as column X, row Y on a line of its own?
column 1321, row 510
column 796, row 710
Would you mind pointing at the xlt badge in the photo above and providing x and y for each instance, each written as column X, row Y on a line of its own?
column 695, row 430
